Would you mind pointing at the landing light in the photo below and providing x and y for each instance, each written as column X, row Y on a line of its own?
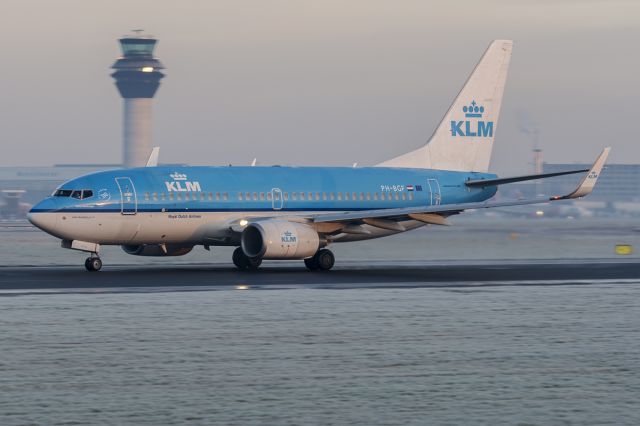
column 147, row 69
column 242, row 287
column 539, row 213
column 244, row 222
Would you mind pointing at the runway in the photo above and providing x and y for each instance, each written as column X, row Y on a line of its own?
column 347, row 275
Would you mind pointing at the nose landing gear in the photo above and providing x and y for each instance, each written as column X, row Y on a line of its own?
column 93, row 264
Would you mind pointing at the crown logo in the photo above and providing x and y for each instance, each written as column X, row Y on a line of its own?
column 178, row 176
column 473, row 110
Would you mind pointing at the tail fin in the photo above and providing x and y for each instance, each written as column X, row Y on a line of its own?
column 464, row 139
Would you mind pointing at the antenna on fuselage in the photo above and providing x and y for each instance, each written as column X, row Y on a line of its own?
column 253, row 163
column 153, row 158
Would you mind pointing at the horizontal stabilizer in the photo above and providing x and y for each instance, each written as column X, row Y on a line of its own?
column 501, row 181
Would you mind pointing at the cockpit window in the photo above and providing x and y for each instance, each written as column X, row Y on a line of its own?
column 62, row 193
column 79, row 194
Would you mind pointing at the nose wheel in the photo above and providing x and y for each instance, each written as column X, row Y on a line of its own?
column 93, row 264
column 323, row 260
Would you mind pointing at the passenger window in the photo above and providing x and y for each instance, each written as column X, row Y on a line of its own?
column 217, row 196
column 324, row 196
column 310, row 196
column 368, row 196
column 362, row 196
column 225, row 196
column 332, row 196
column 162, row 196
column 317, row 196
column 346, row 196
column 240, row 196
column 211, row 196
column 404, row 196
column 294, row 195
column 286, row 195
column 302, row 195
column 171, row 196
column 269, row 196
column 396, row 196
column 179, row 197
column 255, row 196
column 146, row 196
column 339, row 196
column 411, row 196
column 383, row 196
column 375, row 196
column 354, row 196
column 262, row 196
column 155, row 196
column 247, row 196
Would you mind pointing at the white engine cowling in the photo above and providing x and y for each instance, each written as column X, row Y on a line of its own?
column 279, row 239
column 156, row 250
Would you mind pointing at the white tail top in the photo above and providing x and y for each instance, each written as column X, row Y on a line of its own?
column 464, row 139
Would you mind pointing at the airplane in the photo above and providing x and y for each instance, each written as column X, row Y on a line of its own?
column 283, row 213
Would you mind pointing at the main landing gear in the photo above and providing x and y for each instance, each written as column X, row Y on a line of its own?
column 323, row 260
column 93, row 264
column 243, row 262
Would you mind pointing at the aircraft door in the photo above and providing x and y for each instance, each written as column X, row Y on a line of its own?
column 276, row 199
column 435, row 197
column 128, row 198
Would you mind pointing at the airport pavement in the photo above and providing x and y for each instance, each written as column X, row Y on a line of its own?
column 349, row 275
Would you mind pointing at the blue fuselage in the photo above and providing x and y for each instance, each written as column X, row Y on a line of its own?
column 250, row 189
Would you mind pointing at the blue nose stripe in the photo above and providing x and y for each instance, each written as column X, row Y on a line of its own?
column 46, row 205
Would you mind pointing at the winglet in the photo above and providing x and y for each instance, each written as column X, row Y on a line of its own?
column 589, row 181
column 153, row 158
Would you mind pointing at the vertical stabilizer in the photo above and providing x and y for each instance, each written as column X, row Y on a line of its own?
column 464, row 138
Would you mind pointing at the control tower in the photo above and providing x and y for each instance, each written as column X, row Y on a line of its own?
column 137, row 74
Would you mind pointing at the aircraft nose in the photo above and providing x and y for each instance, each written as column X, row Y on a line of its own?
column 43, row 215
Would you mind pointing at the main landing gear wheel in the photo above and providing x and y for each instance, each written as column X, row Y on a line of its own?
column 323, row 260
column 242, row 261
column 93, row 264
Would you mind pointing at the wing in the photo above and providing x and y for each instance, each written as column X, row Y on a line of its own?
column 350, row 221
column 437, row 214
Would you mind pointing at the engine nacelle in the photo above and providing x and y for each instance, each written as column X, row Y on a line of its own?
column 156, row 250
column 279, row 239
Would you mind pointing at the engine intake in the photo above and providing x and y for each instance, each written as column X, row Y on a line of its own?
column 156, row 250
column 279, row 239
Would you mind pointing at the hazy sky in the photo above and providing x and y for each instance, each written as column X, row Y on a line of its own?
column 317, row 82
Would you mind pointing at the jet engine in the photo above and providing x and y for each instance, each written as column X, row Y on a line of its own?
column 156, row 250
column 279, row 239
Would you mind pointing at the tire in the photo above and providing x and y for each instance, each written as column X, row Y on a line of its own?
column 253, row 263
column 240, row 259
column 311, row 263
column 325, row 259
column 93, row 264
